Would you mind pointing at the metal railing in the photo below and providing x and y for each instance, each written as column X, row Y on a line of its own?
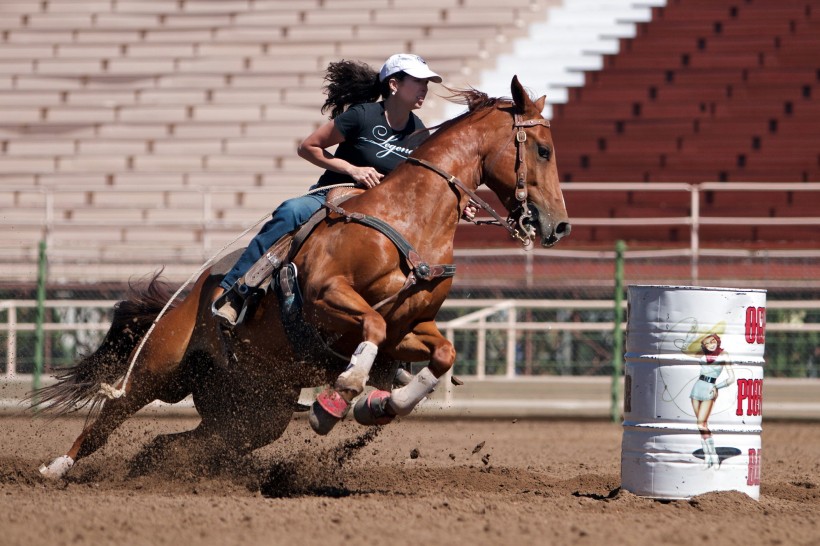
column 210, row 202
column 479, row 318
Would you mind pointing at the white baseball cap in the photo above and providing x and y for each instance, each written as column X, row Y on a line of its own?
column 410, row 64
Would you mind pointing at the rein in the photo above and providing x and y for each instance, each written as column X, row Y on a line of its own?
column 527, row 233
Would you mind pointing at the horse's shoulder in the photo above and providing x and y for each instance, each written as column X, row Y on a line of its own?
column 338, row 195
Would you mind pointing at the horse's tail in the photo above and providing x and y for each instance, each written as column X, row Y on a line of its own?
column 78, row 385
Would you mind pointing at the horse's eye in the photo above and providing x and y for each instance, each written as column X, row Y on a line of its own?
column 544, row 151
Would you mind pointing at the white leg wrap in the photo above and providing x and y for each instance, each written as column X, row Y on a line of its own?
column 403, row 400
column 355, row 376
column 57, row 468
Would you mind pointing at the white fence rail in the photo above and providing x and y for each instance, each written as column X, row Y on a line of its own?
column 211, row 201
column 507, row 313
column 182, row 227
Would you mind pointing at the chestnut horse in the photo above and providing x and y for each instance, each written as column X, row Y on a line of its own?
column 367, row 291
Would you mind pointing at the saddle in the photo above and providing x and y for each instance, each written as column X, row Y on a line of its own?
column 285, row 248
column 255, row 283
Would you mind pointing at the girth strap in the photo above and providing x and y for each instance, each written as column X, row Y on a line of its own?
column 418, row 266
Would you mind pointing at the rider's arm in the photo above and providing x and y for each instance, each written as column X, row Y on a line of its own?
column 314, row 149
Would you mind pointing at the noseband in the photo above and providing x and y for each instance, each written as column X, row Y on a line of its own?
column 518, row 228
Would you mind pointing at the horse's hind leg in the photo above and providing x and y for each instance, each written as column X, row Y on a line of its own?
column 155, row 377
column 113, row 414
column 425, row 341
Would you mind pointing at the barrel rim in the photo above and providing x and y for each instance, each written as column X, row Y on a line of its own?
column 699, row 288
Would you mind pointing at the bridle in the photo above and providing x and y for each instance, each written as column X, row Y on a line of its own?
column 519, row 226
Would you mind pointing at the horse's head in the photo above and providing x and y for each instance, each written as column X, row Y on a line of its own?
column 519, row 166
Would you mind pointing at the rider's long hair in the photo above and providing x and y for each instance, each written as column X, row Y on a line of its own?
column 353, row 82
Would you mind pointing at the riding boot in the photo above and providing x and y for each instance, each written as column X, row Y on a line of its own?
column 227, row 308
column 714, row 460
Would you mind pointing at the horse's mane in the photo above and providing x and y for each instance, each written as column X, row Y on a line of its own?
column 475, row 100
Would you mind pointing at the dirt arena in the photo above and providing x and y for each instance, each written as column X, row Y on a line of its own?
column 419, row 481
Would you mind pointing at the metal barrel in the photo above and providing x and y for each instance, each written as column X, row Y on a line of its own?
column 693, row 391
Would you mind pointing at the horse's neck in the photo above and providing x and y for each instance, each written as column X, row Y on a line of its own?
column 424, row 200
column 419, row 202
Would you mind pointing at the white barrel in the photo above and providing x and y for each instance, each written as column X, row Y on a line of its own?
column 693, row 391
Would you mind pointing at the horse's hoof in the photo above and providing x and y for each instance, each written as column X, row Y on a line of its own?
column 328, row 409
column 57, row 468
column 320, row 420
column 333, row 403
column 371, row 409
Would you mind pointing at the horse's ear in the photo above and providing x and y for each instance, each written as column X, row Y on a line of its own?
column 521, row 98
column 539, row 104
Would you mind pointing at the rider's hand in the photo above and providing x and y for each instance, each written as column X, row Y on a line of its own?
column 366, row 177
column 713, row 393
column 469, row 212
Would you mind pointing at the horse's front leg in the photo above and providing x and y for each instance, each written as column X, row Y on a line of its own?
column 424, row 342
column 343, row 310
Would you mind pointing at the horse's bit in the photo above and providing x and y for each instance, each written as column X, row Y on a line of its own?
column 527, row 233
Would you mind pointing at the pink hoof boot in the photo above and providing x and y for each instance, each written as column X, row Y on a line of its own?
column 372, row 409
column 328, row 409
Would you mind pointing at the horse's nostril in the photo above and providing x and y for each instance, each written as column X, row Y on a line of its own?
column 562, row 229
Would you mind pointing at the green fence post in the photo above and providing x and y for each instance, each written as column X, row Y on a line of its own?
column 39, row 334
column 618, row 334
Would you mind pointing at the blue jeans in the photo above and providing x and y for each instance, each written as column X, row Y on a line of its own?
column 287, row 217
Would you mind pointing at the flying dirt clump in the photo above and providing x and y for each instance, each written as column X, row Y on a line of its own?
column 313, row 474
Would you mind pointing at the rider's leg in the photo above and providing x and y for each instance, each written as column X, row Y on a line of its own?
column 287, row 217
column 702, row 411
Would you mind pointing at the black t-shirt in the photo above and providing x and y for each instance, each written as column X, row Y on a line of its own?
column 371, row 142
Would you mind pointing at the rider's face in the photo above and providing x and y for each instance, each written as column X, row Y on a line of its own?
column 412, row 91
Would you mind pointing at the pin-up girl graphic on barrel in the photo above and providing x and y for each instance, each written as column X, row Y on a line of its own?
column 714, row 362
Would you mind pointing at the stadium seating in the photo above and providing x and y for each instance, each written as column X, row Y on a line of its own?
column 156, row 131
column 177, row 121
column 720, row 91
column 716, row 82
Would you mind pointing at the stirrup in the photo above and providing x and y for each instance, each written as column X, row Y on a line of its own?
column 233, row 298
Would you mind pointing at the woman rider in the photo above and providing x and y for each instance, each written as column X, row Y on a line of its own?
column 373, row 136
